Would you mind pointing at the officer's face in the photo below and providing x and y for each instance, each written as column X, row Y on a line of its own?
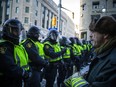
column 15, row 32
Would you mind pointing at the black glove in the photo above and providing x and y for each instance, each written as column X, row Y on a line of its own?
column 47, row 64
column 63, row 50
column 27, row 74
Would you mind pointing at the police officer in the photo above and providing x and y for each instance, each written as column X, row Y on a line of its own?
column 68, row 63
column 80, row 51
column 35, row 52
column 75, row 56
column 53, row 54
column 13, row 57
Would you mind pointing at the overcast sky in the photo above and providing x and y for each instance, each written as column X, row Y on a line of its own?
column 72, row 5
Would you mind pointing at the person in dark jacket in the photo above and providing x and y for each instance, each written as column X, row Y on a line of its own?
column 35, row 52
column 53, row 54
column 74, row 54
column 14, row 69
column 102, row 72
column 67, row 61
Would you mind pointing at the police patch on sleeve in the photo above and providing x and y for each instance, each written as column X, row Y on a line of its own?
column 29, row 45
column 3, row 50
column 47, row 46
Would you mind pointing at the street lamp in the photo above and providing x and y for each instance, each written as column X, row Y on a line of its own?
column 103, row 10
column 59, row 15
column 69, row 11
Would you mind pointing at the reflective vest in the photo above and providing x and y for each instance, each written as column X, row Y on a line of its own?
column 56, row 48
column 75, row 81
column 40, row 48
column 78, row 49
column 66, row 55
column 20, row 55
column 85, row 47
column 74, row 50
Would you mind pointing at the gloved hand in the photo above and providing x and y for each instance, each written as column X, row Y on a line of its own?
column 26, row 75
column 75, row 80
column 63, row 50
column 47, row 64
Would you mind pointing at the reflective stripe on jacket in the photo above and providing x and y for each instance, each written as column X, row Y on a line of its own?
column 56, row 48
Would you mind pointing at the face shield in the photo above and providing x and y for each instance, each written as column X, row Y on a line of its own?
column 53, row 35
column 12, row 28
column 68, row 42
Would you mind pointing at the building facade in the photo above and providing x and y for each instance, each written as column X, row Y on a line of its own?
column 36, row 12
column 94, row 9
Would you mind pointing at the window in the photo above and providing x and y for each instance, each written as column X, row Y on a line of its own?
column 26, row 20
column 84, row 35
column 43, row 16
column 27, row 0
column 83, row 6
column 95, row 5
column 37, row 3
column 114, row 4
column 48, row 19
column 17, row 10
column 17, row 1
column 35, row 22
column 95, row 17
column 36, row 12
column 51, row 19
column 26, row 9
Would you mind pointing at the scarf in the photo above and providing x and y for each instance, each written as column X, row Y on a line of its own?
column 108, row 45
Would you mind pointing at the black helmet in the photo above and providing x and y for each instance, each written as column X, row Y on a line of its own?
column 64, row 41
column 83, row 41
column 77, row 41
column 73, row 41
column 53, row 35
column 12, row 28
column 33, row 32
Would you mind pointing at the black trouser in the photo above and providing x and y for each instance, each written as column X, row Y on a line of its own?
column 50, row 74
column 35, row 79
column 6, row 81
column 65, row 70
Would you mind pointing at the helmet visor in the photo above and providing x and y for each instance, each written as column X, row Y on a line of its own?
column 53, row 36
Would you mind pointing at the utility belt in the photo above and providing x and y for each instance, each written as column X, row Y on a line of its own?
column 56, row 63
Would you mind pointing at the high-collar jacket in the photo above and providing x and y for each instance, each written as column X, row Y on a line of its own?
column 102, row 72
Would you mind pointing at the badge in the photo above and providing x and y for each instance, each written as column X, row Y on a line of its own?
column 29, row 45
column 47, row 46
column 2, row 50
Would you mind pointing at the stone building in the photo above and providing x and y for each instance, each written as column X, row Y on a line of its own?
column 94, row 9
column 36, row 12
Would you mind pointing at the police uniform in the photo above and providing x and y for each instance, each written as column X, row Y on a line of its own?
column 35, row 53
column 13, row 64
column 67, row 66
column 53, row 54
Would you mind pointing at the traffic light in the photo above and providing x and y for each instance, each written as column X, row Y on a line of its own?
column 54, row 21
